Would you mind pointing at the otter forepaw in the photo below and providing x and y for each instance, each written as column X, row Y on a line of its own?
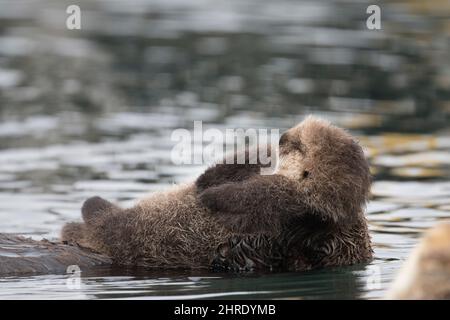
column 218, row 199
column 94, row 207
column 225, row 173
column 215, row 176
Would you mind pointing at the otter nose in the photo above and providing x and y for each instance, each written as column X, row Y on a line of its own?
column 283, row 139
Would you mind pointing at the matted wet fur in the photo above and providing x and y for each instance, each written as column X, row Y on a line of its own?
column 308, row 214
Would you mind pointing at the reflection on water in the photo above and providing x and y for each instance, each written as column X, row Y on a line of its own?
column 91, row 112
column 345, row 283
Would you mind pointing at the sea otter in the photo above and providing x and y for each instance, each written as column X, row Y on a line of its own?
column 426, row 274
column 308, row 214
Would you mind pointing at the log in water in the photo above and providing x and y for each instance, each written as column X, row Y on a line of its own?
column 19, row 256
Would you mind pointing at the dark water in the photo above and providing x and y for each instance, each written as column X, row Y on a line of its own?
column 91, row 111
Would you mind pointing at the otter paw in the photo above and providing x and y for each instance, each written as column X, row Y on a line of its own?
column 225, row 173
column 72, row 232
column 213, row 176
column 94, row 207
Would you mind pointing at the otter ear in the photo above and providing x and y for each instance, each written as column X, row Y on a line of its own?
column 305, row 174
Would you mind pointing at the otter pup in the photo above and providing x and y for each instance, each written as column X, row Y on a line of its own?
column 308, row 214
column 426, row 274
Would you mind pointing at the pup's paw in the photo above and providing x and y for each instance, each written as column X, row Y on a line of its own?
column 214, row 176
column 94, row 207
column 73, row 232
column 220, row 174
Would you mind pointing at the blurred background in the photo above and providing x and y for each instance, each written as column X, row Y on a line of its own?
column 90, row 112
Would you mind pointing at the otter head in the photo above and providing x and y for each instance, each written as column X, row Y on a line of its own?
column 329, row 166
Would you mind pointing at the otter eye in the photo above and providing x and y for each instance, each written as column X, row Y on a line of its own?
column 305, row 174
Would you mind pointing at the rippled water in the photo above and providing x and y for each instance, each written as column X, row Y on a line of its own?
column 91, row 112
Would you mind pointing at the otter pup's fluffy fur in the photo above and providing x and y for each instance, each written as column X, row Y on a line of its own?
column 308, row 214
column 426, row 274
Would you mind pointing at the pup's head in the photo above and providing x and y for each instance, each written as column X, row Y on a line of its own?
column 329, row 165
